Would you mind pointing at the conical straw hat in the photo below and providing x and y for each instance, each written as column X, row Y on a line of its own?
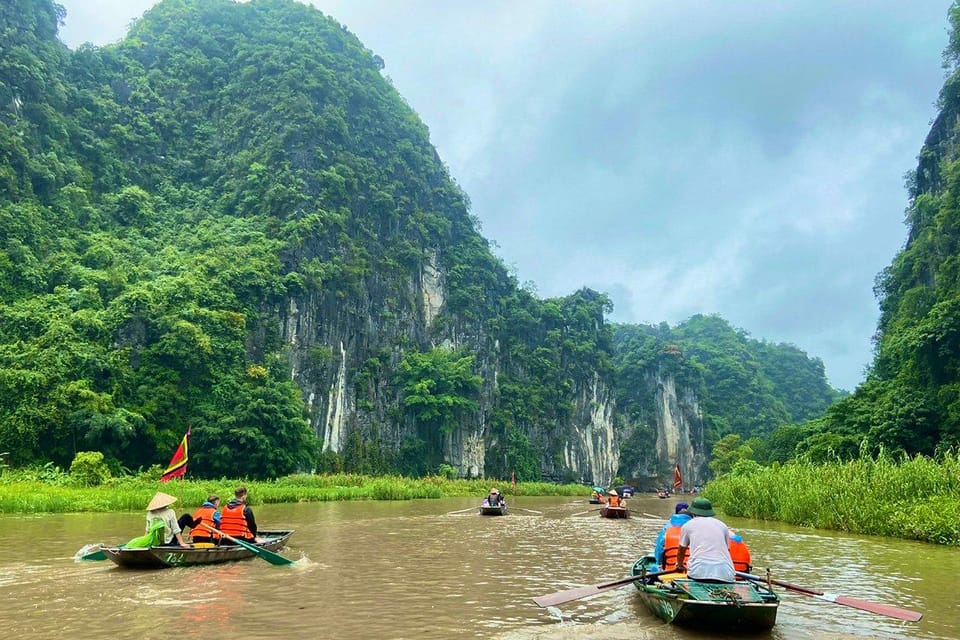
column 160, row 500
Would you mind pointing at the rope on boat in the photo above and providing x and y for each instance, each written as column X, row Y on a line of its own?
column 728, row 596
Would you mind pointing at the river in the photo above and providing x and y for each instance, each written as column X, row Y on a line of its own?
column 425, row 569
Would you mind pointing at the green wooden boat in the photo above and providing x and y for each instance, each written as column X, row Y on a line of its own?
column 163, row 557
column 740, row 606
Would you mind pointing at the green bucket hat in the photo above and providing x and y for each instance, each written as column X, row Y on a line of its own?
column 701, row 507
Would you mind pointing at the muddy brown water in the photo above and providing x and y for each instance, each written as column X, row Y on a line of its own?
column 420, row 569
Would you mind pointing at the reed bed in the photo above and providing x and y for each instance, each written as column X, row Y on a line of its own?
column 914, row 498
column 131, row 494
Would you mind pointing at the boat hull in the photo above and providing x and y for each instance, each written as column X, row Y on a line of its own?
column 493, row 511
column 614, row 512
column 740, row 606
column 165, row 557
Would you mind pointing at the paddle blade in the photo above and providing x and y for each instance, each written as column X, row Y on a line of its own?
column 560, row 597
column 873, row 607
column 275, row 558
column 269, row 556
column 856, row 603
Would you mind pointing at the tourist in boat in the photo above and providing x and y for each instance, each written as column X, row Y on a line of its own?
column 613, row 499
column 494, row 499
column 159, row 509
column 708, row 540
column 236, row 519
column 668, row 539
column 739, row 553
column 208, row 514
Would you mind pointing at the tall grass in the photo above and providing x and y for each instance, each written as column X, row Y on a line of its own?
column 915, row 498
column 18, row 495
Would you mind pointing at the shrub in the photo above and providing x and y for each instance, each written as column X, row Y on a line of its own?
column 88, row 469
column 447, row 471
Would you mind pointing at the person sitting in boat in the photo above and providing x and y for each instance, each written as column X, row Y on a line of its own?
column 597, row 496
column 708, row 540
column 613, row 499
column 159, row 509
column 494, row 499
column 208, row 515
column 668, row 539
column 739, row 553
column 236, row 519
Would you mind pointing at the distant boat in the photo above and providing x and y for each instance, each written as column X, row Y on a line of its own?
column 597, row 496
column 607, row 511
column 496, row 510
column 663, row 494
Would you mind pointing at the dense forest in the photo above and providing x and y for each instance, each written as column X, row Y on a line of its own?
column 231, row 221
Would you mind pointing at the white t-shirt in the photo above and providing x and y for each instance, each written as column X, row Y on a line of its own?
column 170, row 524
column 708, row 540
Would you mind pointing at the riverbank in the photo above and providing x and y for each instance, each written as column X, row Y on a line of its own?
column 916, row 499
column 131, row 494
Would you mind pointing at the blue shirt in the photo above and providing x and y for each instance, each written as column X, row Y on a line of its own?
column 676, row 520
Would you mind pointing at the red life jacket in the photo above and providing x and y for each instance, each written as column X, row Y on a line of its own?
column 740, row 555
column 233, row 523
column 671, row 545
column 205, row 516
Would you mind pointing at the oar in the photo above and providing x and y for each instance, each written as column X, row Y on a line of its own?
column 266, row 554
column 580, row 513
column 450, row 513
column 560, row 597
column 856, row 603
column 530, row 510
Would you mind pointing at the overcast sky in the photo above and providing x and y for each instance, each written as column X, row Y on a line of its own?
column 741, row 158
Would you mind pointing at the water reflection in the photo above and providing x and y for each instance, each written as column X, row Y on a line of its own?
column 430, row 569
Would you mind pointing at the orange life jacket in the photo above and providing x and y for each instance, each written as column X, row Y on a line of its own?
column 233, row 523
column 205, row 516
column 614, row 501
column 740, row 555
column 671, row 545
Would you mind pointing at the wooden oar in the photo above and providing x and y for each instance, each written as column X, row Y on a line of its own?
column 450, row 513
column 560, row 597
column 266, row 554
column 856, row 603
column 530, row 510
column 580, row 513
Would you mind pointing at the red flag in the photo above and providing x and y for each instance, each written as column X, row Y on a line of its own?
column 677, row 480
column 178, row 463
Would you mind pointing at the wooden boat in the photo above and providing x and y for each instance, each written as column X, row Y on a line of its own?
column 496, row 510
column 607, row 511
column 740, row 606
column 163, row 557
column 598, row 496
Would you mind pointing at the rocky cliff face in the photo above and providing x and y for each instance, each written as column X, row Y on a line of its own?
column 679, row 429
column 347, row 343
column 590, row 442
